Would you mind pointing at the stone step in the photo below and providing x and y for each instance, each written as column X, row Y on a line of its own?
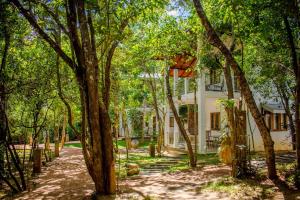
column 165, row 164
column 155, row 167
column 152, row 170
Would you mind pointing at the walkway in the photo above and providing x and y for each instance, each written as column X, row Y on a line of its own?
column 64, row 178
column 67, row 178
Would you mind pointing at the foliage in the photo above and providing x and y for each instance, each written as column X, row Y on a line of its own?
column 135, row 116
column 183, row 111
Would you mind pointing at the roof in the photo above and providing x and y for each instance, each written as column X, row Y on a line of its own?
column 274, row 108
column 184, row 63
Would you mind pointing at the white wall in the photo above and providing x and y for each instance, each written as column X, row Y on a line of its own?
column 282, row 139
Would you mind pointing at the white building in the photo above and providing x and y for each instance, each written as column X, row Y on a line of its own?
column 211, row 116
column 149, row 123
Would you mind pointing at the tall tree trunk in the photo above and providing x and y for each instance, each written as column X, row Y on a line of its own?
column 158, row 117
column 126, row 131
column 230, row 116
column 3, row 98
column 214, row 40
column 296, row 68
column 179, row 122
column 284, row 96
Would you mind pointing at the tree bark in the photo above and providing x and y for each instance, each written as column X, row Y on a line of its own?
column 296, row 68
column 3, row 97
column 179, row 123
column 230, row 117
column 214, row 40
column 158, row 117
column 284, row 96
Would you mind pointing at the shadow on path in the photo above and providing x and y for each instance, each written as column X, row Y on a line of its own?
column 64, row 178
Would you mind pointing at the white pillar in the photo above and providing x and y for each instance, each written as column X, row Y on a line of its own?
column 175, row 97
column 167, row 114
column 201, row 114
column 167, row 125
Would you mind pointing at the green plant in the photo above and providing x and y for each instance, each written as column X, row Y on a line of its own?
column 183, row 111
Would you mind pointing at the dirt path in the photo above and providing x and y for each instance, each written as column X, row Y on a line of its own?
column 64, row 178
column 67, row 178
column 181, row 185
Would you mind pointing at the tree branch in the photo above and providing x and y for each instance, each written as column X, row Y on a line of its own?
column 43, row 34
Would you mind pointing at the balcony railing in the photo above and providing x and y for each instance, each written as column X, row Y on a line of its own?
column 215, row 87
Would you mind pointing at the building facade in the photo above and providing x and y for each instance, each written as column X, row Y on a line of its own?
column 205, row 118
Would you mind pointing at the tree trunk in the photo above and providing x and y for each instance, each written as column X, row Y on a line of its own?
column 178, row 121
column 296, row 68
column 47, row 142
column 96, row 135
column 230, row 117
column 3, row 98
column 56, row 141
column 63, row 131
column 158, row 117
column 284, row 96
column 214, row 40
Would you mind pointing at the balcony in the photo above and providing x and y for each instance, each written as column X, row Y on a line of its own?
column 215, row 87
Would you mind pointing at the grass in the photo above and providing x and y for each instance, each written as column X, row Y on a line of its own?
column 73, row 145
column 121, row 144
column 143, row 159
column 240, row 189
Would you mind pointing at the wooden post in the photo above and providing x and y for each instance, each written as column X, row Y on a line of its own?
column 57, row 148
column 152, row 150
column 37, row 161
column 56, row 141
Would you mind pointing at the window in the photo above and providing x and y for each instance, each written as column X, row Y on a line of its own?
column 171, row 121
column 276, row 121
column 215, row 121
column 215, row 77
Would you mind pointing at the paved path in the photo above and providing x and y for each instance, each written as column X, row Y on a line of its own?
column 64, row 178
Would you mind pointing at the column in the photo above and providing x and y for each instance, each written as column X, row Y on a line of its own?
column 175, row 97
column 167, row 115
column 201, row 114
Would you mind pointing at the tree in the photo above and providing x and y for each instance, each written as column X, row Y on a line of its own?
column 214, row 40
column 99, row 154
column 90, row 69
column 3, row 119
column 179, row 122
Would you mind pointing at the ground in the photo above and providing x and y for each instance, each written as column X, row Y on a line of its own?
column 64, row 178
column 67, row 178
